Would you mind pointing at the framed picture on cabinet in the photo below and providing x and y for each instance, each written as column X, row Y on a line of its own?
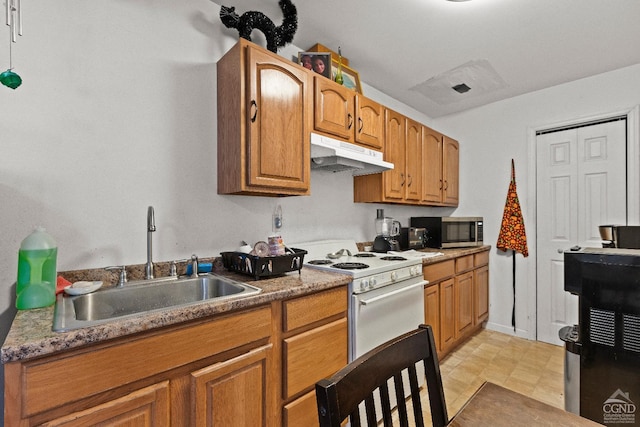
column 319, row 62
column 350, row 77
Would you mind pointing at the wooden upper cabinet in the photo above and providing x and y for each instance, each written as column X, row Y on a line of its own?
column 343, row 113
column 333, row 108
column 394, row 152
column 451, row 172
column 264, row 123
column 432, row 180
column 369, row 123
column 440, row 159
column 413, row 161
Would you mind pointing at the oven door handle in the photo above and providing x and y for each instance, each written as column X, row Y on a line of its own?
column 392, row 293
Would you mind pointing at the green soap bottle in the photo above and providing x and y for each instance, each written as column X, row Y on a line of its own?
column 36, row 284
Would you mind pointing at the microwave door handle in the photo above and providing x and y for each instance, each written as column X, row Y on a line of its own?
column 392, row 293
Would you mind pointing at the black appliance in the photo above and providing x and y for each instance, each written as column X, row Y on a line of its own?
column 385, row 244
column 607, row 282
column 450, row 232
column 412, row 238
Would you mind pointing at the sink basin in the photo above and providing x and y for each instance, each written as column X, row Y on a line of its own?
column 143, row 297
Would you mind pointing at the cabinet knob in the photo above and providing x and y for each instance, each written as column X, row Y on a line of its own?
column 361, row 123
column 350, row 121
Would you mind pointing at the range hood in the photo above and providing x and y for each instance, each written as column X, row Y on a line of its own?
column 335, row 156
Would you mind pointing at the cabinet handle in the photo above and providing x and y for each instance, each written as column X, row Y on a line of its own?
column 410, row 181
column 402, row 182
column 361, row 125
column 441, row 185
column 254, row 107
column 350, row 121
column 446, row 185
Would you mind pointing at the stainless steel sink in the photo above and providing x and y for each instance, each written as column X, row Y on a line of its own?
column 143, row 297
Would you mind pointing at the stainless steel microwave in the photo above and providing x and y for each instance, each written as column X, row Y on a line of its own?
column 450, row 232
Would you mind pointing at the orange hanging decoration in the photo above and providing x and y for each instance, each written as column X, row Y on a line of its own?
column 512, row 233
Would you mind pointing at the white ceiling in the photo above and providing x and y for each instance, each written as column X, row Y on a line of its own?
column 397, row 45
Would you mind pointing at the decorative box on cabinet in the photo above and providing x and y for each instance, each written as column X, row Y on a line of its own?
column 344, row 113
column 264, row 123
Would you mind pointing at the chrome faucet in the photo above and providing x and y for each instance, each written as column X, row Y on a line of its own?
column 151, row 227
column 194, row 265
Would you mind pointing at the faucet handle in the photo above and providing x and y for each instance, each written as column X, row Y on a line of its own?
column 122, row 279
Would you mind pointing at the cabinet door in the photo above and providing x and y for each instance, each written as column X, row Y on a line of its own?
column 234, row 392
column 333, row 108
column 146, row 407
column 463, row 303
column 413, row 161
column 447, row 314
column 369, row 123
column 451, row 158
column 394, row 150
column 313, row 355
column 432, row 180
column 481, row 294
column 432, row 310
column 278, row 106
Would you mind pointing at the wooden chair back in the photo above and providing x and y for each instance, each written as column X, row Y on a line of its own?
column 339, row 397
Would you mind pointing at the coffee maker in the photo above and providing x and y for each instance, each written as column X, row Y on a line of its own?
column 387, row 232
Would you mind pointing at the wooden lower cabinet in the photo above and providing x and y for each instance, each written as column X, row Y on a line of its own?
column 233, row 392
column 147, row 407
column 447, row 314
column 457, row 298
column 255, row 367
column 314, row 346
column 432, row 309
column 463, row 295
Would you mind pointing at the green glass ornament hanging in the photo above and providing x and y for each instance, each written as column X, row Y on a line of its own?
column 14, row 21
column 10, row 79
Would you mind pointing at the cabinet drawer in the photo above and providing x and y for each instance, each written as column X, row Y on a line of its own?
column 301, row 412
column 464, row 263
column 481, row 259
column 441, row 270
column 314, row 355
column 309, row 309
column 126, row 361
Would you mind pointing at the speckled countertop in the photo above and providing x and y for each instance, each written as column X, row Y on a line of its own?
column 31, row 335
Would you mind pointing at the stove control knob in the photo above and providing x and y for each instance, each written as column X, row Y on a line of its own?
column 372, row 283
column 394, row 276
column 364, row 284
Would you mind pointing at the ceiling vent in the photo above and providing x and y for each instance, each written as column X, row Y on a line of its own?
column 471, row 79
column 461, row 88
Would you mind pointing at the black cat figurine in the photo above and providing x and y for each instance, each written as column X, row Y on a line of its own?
column 248, row 21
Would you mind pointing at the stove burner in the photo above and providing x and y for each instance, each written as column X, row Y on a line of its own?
column 364, row 255
column 350, row 265
column 320, row 261
column 393, row 258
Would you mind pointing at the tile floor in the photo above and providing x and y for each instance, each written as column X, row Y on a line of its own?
column 528, row 367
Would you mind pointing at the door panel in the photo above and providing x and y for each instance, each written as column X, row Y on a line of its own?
column 581, row 178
